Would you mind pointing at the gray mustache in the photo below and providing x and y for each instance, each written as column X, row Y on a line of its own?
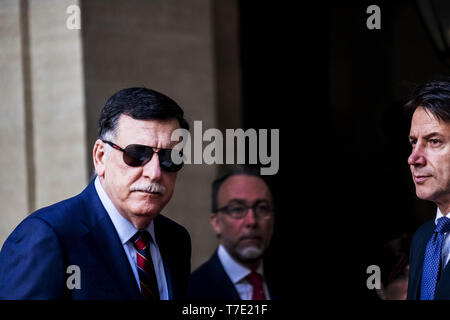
column 152, row 187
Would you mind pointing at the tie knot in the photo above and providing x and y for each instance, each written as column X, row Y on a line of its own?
column 255, row 279
column 141, row 240
column 443, row 225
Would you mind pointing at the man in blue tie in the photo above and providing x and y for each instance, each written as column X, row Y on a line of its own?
column 110, row 241
column 429, row 275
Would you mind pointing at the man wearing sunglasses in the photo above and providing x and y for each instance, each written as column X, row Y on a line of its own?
column 242, row 217
column 110, row 241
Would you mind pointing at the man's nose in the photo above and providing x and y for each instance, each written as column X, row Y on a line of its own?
column 417, row 157
column 152, row 169
column 250, row 218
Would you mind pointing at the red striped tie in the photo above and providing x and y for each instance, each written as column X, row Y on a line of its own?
column 146, row 271
column 255, row 279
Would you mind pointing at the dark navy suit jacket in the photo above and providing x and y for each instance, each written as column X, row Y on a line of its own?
column 417, row 254
column 210, row 282
column 78, row 231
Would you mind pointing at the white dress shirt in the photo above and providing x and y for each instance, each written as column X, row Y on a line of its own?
column 237, row 273
column 445, row 255
column 126, row 231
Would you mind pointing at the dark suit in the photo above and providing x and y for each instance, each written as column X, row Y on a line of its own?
column 78, row 231
column 417, row 254
column 210, row 282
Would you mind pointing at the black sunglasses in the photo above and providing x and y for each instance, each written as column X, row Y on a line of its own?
column 137, row 155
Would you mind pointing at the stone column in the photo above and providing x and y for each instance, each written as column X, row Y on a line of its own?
column 57, row 97
column 13, row 164
column 43, row 143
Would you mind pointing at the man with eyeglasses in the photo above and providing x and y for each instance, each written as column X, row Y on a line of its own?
column 242, row 217
column 110, row 241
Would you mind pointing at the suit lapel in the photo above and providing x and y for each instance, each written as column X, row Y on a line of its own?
column 419, row 255
column 221, row 278
column 106, row 246
column 443, row 288
column 104, row 243
column 272, row 291
column 163, row 243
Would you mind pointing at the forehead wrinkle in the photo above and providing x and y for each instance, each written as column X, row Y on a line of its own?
column 152, row 133
column 240, row 200
column 421, row 126
column 427, row 135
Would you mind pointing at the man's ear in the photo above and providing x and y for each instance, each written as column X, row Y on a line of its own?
column 99, row 155
column 215, row 223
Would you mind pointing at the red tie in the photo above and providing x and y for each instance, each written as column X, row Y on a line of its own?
column 255, row 279
column 146, row 271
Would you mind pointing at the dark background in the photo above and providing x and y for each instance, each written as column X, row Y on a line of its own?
column 335, row 89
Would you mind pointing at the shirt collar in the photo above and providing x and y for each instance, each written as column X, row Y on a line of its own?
column 235, row 271
column 440, row 215
column 124, row 228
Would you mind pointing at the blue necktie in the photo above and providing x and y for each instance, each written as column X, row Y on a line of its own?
column 432, row 261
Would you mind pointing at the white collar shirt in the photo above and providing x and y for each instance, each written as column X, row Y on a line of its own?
column 237, row 274
column 126, row 231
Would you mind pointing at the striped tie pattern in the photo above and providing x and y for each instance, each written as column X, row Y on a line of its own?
column 146, row 271
column 255, row 279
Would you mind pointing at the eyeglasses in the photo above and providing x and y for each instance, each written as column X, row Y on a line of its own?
column 137, row 155
column 238, row 210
